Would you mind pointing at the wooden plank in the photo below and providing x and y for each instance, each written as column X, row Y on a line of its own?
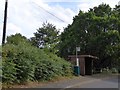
column 82, row 66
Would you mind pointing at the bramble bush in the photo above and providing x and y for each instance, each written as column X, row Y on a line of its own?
column 23, row 62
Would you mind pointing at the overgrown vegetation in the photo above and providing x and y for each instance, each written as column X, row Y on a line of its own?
column 23, row 62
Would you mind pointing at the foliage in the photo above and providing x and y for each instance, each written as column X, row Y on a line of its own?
column 16, row 39
column 8, row 71
column 20, row 57
column 23, row 62
column 97, row 32
column 0, row 64
column 46, row 37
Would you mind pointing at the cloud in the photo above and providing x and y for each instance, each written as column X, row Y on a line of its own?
column 12, row 29
column 1, row 30
column 41, row 3
column 86, row 4
column 1, row 10
column 112, row 3
column 1, row 19
column 56, row 12
column 119, row 3
column 28, row 15
column 25, row 16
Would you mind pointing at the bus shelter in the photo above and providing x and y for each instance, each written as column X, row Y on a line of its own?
column 86, row 63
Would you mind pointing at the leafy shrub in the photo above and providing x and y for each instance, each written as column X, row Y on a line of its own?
column 44, row 71
column 52, row 66
column 9, row 71
column 14, row 59
column 24, row 62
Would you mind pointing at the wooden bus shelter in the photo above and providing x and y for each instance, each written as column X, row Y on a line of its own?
column 85, row 62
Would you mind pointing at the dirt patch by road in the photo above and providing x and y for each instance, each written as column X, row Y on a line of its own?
column 36, row 84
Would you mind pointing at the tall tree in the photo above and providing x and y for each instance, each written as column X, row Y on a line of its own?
column 46, row 37
column 96, row 32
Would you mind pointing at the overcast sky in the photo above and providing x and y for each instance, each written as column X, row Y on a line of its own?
column 25, row 16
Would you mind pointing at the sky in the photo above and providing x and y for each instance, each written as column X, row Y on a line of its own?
column 25, row 16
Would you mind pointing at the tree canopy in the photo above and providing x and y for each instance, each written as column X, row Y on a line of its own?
column 46, row 37
column 97, row 32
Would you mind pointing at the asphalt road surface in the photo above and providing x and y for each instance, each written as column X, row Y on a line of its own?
column 95, row 81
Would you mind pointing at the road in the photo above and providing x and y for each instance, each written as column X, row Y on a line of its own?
column 95, row 81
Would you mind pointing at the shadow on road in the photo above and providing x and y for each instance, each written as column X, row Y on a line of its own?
column 115, row 78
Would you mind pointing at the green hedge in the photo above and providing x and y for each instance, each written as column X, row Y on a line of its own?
column 23, row 62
